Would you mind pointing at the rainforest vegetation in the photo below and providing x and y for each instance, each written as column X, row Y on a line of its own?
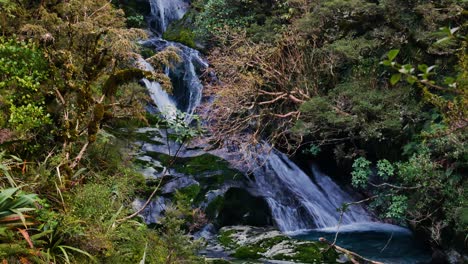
column 376, row 87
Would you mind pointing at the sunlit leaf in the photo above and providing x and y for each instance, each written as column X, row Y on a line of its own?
column 392, row 54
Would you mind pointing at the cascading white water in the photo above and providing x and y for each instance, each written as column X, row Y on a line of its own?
column 163, row 12
column 296, row 201
column 191, row 80
column 160, row 97
column 187, row 85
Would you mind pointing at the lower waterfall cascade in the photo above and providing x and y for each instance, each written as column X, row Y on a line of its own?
column 299, row 203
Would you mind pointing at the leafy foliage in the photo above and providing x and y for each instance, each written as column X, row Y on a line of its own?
column 13, row 203
column 23, row 73
column 361, row 172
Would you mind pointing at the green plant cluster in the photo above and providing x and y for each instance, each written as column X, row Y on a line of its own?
column 260, row 18
column 23, row 73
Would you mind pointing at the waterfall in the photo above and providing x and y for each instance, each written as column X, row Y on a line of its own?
column 163, row 12
column 160, row 97
column 187, row 87
column 296, row 201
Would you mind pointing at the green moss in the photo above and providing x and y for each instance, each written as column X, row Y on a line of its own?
column 197, row 166
column 226, row 240
column 270, row 242
column 299, row 251
column 190, row 192
column 182, row 30
column 311, row 252
column 248, row 252
column 217, row 261
column 214, row 206
column 207, row 163
column 308, row 253
column 181, row 35
column 254, row 251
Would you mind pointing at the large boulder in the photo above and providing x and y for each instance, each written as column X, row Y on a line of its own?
column 239, row 207
column 271, row 246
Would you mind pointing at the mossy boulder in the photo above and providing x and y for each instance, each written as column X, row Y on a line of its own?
column 182, row 30
column 253, row 243
column 240, row 207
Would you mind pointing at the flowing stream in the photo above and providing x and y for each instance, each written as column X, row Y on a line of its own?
column 300, row 204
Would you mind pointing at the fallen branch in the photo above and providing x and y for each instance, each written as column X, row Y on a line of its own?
column 295, row 99
column 354, row 257
column 286, row 115
column 395, row 186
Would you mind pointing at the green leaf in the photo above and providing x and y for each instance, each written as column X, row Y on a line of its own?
column 392, row 54
column 7, row 194
column 385, row 169
column 386, row 63
column 449, row 80
column 143, row 260
column 445, row 30
column 361, row 172
column 443, row 40
column 411, row 79
column 422, row 67
column 395, row 78
column 80, row 251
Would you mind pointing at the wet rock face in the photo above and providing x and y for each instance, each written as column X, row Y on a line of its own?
column 208, row 181
column 271, row 246
column 240, row 207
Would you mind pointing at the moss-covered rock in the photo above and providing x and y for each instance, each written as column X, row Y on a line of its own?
column 181, row 35
column 214, row 207
column 240, row 207
column 252, row 243
column 182, row 30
